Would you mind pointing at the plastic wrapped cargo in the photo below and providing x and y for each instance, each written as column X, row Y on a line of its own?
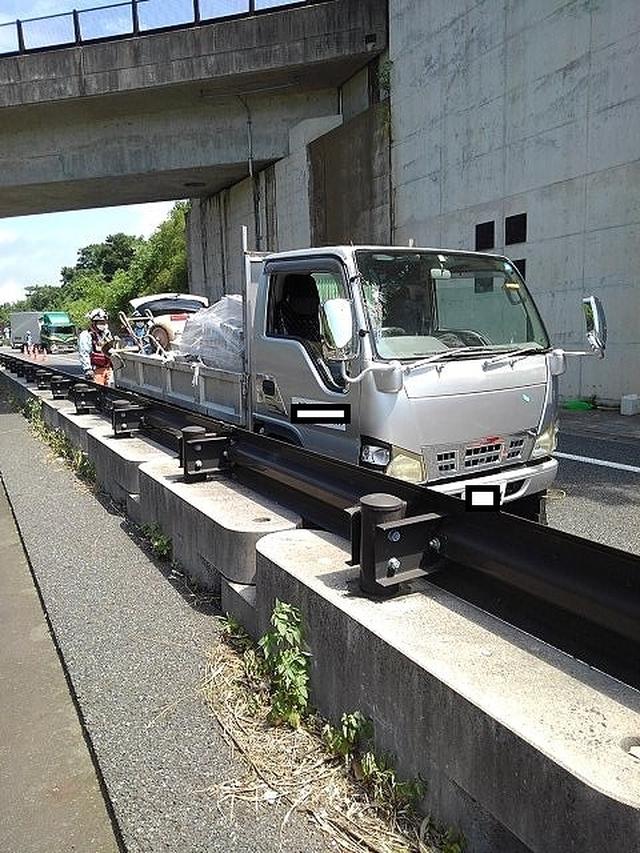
column 215, row 335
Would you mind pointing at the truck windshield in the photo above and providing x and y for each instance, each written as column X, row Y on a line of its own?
column 421, row 303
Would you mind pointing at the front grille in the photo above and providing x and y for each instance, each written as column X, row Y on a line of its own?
column 515, row 448
column 446, row 461
column 482, row 455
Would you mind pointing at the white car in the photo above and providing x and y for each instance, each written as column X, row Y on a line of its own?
column 170, row 312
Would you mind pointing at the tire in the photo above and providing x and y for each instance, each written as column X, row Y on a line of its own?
column 162, row 335
column 531, row 507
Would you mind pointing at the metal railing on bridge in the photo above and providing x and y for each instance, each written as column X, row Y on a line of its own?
column 122, row 19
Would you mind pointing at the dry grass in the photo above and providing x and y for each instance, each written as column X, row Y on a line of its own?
column 292, row 767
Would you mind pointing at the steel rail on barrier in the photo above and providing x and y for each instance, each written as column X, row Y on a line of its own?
column 123, row 19
column 398, row 531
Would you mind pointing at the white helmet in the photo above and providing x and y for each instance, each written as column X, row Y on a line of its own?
column 98, row 315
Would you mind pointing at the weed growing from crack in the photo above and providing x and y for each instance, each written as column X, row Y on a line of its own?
column 59, row 443
column 160, row 543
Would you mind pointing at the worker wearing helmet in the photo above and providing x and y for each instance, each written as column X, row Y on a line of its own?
column 94, row 344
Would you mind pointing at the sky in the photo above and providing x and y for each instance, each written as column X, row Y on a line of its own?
column 33, row 249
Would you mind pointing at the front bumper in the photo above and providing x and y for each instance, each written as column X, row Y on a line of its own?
column 514, row 483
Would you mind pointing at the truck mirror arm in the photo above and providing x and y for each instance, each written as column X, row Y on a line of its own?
column 373, row 368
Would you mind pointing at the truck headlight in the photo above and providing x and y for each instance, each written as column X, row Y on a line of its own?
column 375, row 455
column 406, row 466
column 546, row 442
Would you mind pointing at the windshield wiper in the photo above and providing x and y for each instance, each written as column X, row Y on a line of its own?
column 519, row 352
column 443, row 354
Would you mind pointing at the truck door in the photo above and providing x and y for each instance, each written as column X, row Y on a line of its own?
column 287, row 361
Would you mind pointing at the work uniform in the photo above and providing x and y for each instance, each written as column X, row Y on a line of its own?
column 92, row 357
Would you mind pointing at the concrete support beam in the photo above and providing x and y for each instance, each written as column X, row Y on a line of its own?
column 166, row 116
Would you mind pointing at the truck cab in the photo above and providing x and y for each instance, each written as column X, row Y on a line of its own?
column 445, row 367
column 57, row 332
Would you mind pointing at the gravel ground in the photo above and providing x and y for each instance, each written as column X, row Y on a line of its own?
column 133, row 647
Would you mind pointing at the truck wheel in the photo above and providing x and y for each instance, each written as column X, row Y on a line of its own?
column 531, row 507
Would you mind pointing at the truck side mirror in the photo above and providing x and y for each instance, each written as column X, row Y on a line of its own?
column 337, row 330
column 596, row 324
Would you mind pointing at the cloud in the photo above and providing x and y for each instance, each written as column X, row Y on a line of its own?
column 11, row 291
column 149, row 216
column 7, row 235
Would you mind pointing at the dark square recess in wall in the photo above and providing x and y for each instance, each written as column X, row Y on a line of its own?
column 485, row 235
column 521, row 266
column 515, row 229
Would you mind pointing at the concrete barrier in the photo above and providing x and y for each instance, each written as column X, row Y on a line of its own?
column 214, row 525
column 523, row 748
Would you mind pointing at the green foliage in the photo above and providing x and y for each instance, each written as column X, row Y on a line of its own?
column 384, row 77
column 286, row 663
column 234, row 634
column 345, row 740
column 105, row 259
column 59, row 442
column 386, row 789
column 160, row 543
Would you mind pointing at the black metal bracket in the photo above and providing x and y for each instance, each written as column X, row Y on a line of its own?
column 390, row 549
column 407, row 549
column 43, row 380
column 126, row 418
column 60, row 387
column 202, row 454
column 29, row 373
column 85, row 397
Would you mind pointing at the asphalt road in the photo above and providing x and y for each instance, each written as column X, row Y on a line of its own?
column 588, row 499
column 596, row 502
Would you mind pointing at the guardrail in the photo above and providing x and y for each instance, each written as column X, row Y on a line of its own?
column 586, row 591
column 124, row 19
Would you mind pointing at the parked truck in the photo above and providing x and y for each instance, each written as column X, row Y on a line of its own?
column 21, row 323
column 57, row 332
column 439, row 359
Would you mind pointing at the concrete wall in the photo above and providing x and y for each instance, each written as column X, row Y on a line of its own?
column 504, row 108
column 350, row 181
column 214, row 224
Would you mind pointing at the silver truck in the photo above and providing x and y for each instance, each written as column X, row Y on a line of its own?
column 435, row 365
column 22, row 322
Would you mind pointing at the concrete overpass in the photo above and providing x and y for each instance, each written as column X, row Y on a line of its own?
column 174, row 114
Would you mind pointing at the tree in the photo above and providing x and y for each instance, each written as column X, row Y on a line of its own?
column 116, row 253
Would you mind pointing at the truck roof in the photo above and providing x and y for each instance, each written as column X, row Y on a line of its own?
column 345, row 251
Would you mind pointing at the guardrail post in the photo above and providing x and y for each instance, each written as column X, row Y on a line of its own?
column 376, row 509
column 60, row 387
column 135, row 18
column 20, row 33
column 43, row 380
column 126, row 418
column 85, row 398
column 196, row 11
column 76, row 27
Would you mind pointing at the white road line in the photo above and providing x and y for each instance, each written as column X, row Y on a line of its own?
column 602, row 463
